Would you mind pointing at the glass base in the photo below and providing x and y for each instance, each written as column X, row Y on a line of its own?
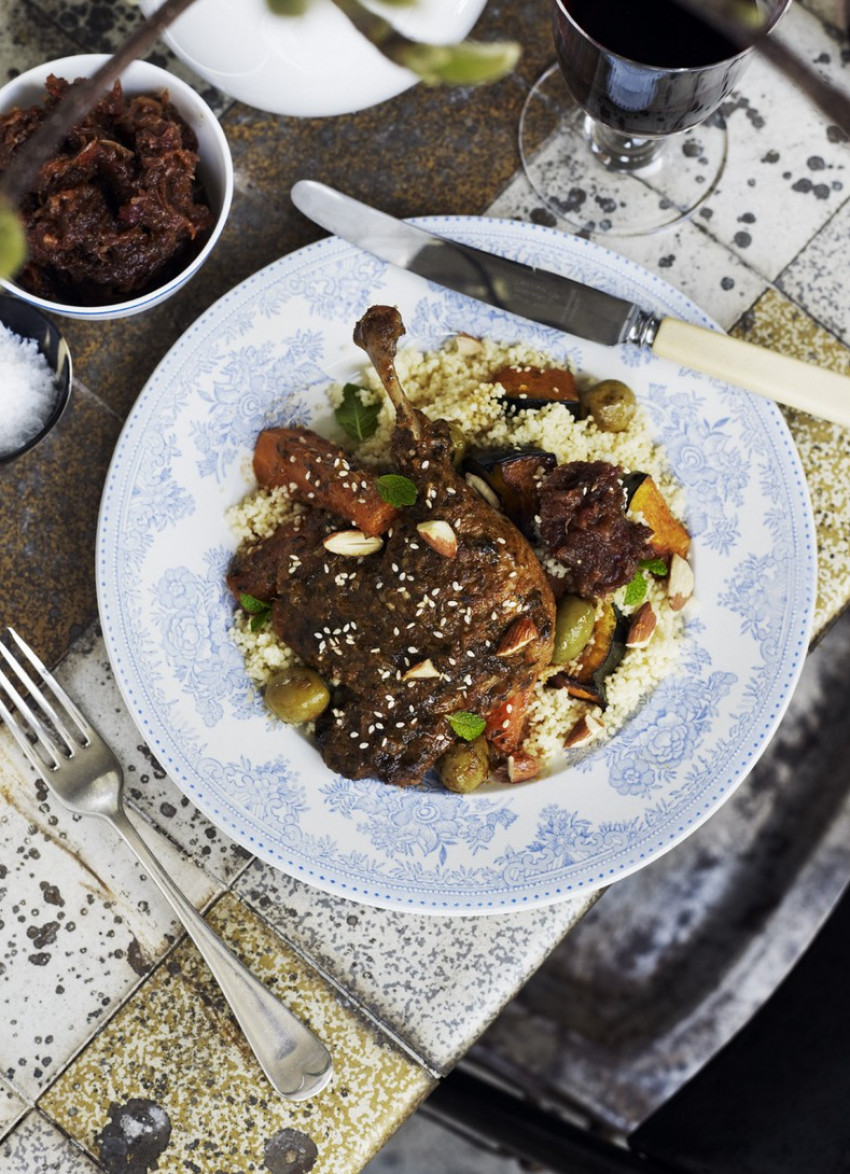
column 602, row 185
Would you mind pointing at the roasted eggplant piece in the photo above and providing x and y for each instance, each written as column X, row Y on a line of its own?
column 600, row 656
column 645, row 503
column 514, row 475
column 538, row 387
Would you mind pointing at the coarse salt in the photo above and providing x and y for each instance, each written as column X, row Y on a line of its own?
column 27, row 390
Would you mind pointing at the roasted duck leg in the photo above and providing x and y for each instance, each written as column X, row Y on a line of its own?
column 453, row 613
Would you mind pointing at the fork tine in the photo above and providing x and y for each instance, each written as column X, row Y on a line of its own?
column 50, row 759
column 23, row 713
column 85, row 731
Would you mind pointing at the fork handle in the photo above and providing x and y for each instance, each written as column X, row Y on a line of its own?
column 295, row 1061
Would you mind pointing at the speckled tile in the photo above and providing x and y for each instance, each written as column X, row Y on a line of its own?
column 824, row 448
column 81, row 922
column 86, row 673
column 687, row 257
column 435, row 981
column 27, row 39
column 171, row 1072
column 788, row 170
column 38, row 1147
column 101, row 28
column 816, row 279
column 12, row 1106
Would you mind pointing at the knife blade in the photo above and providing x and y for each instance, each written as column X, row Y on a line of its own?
column 575, row 308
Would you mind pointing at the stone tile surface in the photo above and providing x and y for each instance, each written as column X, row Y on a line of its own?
column 49, row 500
column 87, row 673
column 815, row 278
column 132, row 1086
column 466, row 968
column 12, row 1107
column 28, row 39
column 81, row 923
column 101, row 28
column 788, row 171
column 38, row 1147
column 688, row 257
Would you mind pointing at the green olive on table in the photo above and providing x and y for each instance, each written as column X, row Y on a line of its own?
column 574, row 622
column 465, row 765
column 297, row 695
column 611, row 404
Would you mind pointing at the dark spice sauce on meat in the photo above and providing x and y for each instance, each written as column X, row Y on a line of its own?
column 118, row 209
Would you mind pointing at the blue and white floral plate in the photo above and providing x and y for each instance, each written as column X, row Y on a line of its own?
column 264, row 355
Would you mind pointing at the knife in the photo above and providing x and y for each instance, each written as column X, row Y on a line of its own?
column 568, row 305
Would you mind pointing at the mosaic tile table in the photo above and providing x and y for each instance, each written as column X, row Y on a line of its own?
column 116, row 1050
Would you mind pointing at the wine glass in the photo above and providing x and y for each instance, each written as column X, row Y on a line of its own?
column 623, row 135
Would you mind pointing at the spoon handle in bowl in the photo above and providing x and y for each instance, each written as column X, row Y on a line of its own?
column 294, row 1060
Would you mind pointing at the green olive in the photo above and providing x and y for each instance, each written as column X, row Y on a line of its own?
column 297, row 695
column 573, row 628
column 465, row 765
column 611, row 404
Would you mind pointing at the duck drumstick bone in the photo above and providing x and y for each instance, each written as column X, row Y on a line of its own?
column 377, row 333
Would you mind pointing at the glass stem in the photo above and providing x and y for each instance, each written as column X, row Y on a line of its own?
column 620, row 152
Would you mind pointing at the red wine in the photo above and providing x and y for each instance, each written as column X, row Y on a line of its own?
column 645, row 67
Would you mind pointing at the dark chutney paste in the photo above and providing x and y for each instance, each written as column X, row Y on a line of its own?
column 118, row 210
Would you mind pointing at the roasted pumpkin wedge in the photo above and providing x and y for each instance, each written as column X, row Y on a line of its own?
column 585, row 676
column 646, row 504
column 538, row 387
column 514, row 475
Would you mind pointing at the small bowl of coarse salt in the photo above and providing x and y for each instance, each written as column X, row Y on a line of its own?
column 35, row 377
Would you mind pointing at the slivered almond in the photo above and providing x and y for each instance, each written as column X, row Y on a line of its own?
column 521, row 632
column 522, row 767
column 467, row 344
column 422, row 671
column 585, row 730
column 440, row 536
column 483, row 490
column 352, row 543
column 642, row 626
column 680, row 583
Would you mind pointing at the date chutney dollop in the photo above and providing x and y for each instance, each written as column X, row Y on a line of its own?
column 118, row 209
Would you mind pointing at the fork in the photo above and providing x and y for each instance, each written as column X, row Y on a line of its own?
column 84, row 774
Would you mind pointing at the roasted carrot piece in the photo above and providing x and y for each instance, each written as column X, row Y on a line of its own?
column 319, row 473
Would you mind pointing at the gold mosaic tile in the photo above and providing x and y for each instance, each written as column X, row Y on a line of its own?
column 776, row 323
column 170, row 1083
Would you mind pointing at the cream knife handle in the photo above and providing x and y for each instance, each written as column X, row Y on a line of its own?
column 777, row 377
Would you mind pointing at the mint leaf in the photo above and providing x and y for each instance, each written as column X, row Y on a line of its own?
column 359, row 420
column 397, row 490
column 467, row 725
column 655, row 566
column 635, row 591
column 256, row 609
column 252, row 605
